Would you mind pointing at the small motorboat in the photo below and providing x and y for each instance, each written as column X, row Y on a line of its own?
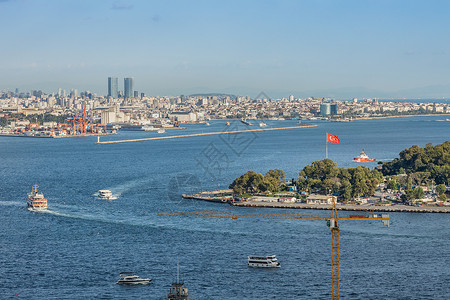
column 105, row 194
column 130, row 278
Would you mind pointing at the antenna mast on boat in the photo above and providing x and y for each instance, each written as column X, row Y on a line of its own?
column 178, row 271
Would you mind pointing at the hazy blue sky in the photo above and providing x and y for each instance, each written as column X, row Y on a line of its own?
column 336, row 48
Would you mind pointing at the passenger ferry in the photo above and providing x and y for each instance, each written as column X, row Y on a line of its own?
column 266, row 261
column 36, row 201
column 105, row 194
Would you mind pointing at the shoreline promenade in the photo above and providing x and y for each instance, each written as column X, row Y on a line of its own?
column 202, row 134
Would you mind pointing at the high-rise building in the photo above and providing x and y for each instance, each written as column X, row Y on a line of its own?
column 128, row 87
column 113, row 87
column 325, row 109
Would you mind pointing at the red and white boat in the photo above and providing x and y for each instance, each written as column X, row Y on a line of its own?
column 36, row 201
column 363, row 157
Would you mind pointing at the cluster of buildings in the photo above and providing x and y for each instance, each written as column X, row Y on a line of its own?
column 128, row 106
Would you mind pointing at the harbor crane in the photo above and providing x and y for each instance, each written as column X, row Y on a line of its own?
column 332, row 222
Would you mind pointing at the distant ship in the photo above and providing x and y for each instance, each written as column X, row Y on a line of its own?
column 36, row 201
column 363, row 157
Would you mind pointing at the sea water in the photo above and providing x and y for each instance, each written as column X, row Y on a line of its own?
column 77, row 248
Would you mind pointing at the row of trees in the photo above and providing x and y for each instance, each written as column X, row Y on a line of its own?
column 322, row 177
column 325, row 177
column 423, row 165
column 252, row 182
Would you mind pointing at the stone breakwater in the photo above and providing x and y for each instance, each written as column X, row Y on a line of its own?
column 203, row 134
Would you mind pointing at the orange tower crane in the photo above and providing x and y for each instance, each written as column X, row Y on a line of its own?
column 332, row 222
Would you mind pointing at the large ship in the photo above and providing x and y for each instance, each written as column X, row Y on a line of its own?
column 363, row 157
column 36, row 200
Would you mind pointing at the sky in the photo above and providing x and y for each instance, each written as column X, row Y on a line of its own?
column 341, row 49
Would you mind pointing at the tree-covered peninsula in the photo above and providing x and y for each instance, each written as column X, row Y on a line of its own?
column 422, row 165
column 416, row 166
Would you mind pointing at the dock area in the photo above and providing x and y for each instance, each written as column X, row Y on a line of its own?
column 223, row 196
column 203, row 134
column 346, row 207
column 46, row 136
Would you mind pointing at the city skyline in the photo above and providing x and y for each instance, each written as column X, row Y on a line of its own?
column 383, row 49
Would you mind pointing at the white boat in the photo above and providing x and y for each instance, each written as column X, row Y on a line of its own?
column 161, row 131
column 129, row 278
column 105, row 194
column 262, row 124
column 148, row 128
column 207, row 124
column 263, row 261
column 36, row 201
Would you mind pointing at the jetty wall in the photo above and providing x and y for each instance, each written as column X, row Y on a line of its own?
column 202, row 134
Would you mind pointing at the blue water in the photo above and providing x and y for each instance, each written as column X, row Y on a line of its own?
column 77, row 249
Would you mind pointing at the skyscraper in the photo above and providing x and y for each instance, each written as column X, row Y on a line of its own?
column 113, row 87
column 128, row 87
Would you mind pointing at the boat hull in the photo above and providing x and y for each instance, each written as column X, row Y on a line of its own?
column 257, row 265
column 134, row 282
column 358, row 159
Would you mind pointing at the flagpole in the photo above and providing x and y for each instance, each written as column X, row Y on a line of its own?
column 326, row 145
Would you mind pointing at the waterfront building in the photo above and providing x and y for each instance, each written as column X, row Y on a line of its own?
column 128, row 87
column 113, row 87
column 333, row 109
column 325, row 109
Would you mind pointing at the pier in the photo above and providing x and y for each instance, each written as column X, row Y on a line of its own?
column 203, row 134
column 346, row 207
column 220, row 197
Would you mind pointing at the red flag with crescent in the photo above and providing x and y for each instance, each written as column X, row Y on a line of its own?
column 331, row 138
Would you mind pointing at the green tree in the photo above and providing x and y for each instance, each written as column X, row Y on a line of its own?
column 408, row 187
column 418, row 193
column 440, row 189
column 442, row 197
column 392, row 184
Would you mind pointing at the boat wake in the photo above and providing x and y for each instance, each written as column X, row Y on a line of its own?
column 11, row 203
column 127, row 186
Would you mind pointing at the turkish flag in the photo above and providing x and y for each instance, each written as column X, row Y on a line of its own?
column 331, row 138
